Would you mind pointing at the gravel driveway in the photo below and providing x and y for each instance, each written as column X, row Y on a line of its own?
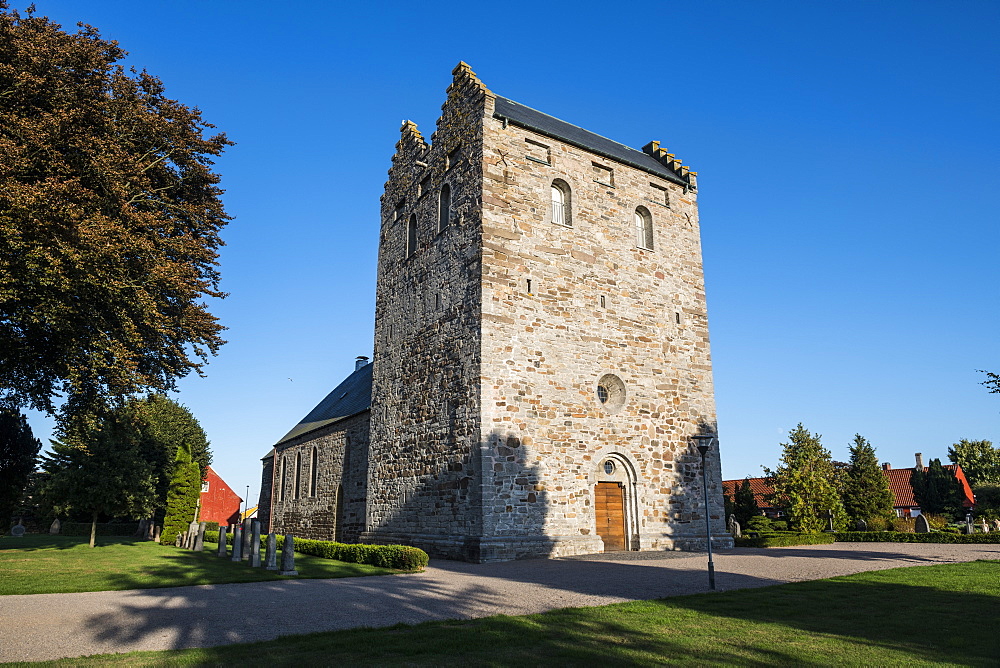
column 51, row 626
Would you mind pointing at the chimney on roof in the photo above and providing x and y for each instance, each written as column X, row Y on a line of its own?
column 360, row 361
column 920, row 460
column 886, row 466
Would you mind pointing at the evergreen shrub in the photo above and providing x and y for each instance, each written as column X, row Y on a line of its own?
column 398, row 557
column 903, row 537
column 786, row 540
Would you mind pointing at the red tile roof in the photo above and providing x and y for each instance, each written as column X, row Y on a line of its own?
column 899, row 483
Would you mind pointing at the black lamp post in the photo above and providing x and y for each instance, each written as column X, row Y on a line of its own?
column 704, row 442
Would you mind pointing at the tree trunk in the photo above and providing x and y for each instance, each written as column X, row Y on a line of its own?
column 93, row 530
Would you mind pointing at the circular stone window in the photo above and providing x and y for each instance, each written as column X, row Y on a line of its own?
column 611, row 392
column 609, row 467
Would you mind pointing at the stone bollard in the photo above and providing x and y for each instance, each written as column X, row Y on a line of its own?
column 288, row 556
column 271, row 555
column 237, row 542
column 199, row 542
column 245, row 554
column 223, row 530
column 255, row 544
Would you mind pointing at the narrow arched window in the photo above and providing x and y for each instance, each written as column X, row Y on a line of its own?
column 313, row 472
column 643, row 229
column 281, row 479
column 411, row 235
column 560, row 207
column 298, row 474
column 444, row 207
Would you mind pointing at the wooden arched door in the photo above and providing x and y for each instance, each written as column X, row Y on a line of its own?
column 609, row 507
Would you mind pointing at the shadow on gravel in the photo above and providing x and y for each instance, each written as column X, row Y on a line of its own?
column 858, row 620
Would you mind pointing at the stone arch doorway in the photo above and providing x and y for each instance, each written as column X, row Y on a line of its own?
column 614, row 503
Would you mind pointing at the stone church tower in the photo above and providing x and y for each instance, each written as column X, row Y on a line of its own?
column 542, row 358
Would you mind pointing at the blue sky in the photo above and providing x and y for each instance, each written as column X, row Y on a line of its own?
column 848, row 177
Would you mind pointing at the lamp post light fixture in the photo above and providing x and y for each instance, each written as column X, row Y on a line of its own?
column 704, row 443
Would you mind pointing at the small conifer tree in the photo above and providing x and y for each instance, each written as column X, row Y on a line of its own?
column 865, row 493
column 936, row 490
column 182, row 496
column 744, row 503
column 805, row 483
column 18, row 454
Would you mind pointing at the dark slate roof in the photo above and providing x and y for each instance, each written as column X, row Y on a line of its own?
column 526, row 117
column 351, row 397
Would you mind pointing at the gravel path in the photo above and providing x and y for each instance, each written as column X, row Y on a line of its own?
column 51, row 626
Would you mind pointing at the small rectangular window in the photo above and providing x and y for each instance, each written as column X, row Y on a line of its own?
column 204, row 486
column 603, row 175
column 452, row 158
column 398, row 212
column 659, row 194
column 424, row 186
column 538, row 152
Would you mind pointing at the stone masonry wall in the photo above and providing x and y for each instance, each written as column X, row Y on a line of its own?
column 341, row 482
column 597, row 304
column 425, row 479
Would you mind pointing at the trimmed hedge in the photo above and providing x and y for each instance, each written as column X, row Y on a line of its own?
column 786, row 540
column 103, row 528
column 905, row 537
column 398, row 557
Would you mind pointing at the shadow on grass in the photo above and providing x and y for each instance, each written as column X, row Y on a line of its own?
column 872, row 619
column 47, row 541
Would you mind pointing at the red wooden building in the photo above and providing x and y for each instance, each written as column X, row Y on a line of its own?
column 219, row 503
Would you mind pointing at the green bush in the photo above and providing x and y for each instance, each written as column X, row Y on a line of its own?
column 759, row 523
column 398, row 557
column 904, row 537
column 103, row 528
column 786, row 540
column 779, row 525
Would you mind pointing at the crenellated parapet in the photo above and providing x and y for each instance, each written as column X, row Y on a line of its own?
column 466, row 83
column 671, row 162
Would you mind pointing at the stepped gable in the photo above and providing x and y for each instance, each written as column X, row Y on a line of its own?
column 351, row 397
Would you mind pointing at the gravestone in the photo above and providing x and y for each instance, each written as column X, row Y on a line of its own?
column 151, row 532
column 245, row 554
column 984, row 526
column 920, row 525
column 860, row 525
column 156, row 533
column 56, row 527
column 223, row 530
column 191, row 535
column 199, row 541
column 237, row 542
column 140, row 531
column 271, row 555
column 734, row 527
column 17, row 531
column 179, row 540
column 996, row 524
column 288, row 556
column 255, row 544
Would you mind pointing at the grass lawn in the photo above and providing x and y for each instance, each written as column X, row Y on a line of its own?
column 941, row 615
column 43, row 564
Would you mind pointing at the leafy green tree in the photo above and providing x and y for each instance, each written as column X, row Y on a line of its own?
column 804, row 483
column 97, row 468
column 164, row 427
column 182, row 497
column 18, row 454
column 744, row 503
column 979, row 460
column 865, row 492
column 109, row 223
column 992, row 381
column 936, row 490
